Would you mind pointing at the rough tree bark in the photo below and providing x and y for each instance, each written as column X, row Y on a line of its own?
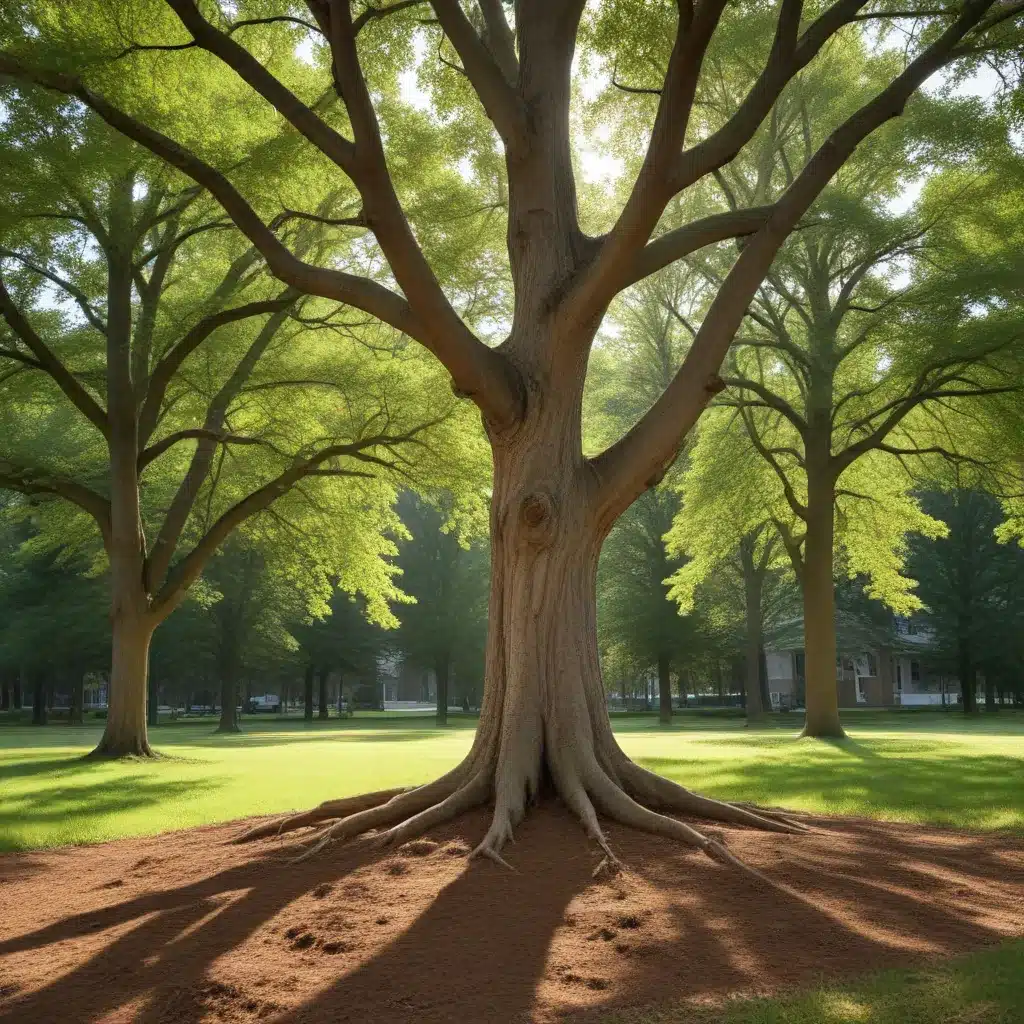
column 544, row 713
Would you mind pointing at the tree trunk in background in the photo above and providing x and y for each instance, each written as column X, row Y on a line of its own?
column 762, row 674
column 39, row 699
column 324, row 711
column 990, row 693
column 821, row 691
column 228, row 701
column 442, row 669
column 753, row 587
column 967, row 671
column 16, row 698
column 75, row 715
column 5, row 692
column 307, row 693
column 664, row 689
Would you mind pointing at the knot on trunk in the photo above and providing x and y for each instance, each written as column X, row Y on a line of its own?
column 538, row 515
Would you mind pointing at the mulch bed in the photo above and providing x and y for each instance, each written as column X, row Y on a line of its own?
column 185, row 928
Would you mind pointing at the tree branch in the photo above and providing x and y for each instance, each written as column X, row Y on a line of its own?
column 48, row 362
column 675, row 244
column 168, row 366
column 499, row 39
column 770, row 400
column 154, row 451
column 301, row 117
column 484, row 70
column 26, row 480
column 361, row 292
column 620, row 472
column 189, row 568
column 81, row 299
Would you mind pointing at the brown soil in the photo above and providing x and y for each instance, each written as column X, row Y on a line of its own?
column 183, row 928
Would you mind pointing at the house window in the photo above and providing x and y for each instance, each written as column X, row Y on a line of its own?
column 915, row 671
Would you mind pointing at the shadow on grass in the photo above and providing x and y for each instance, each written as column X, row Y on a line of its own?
column 79, row 804
column 981, row 791
column 272, row 739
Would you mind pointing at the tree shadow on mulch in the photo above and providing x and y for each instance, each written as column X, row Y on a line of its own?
column 476, row 943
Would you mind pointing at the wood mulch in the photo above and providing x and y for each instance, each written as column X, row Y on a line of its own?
column 187, row 928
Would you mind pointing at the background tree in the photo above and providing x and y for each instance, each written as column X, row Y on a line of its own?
column 972, row 585
column 446, row 577
column 551, row 507
column 844, row 374
column 148, row 353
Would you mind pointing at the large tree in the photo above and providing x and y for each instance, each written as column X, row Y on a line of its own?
column 145, row 355
column 844, row 374
column 551, row 507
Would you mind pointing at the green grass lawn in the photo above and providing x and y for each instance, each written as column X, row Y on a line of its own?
column 982, row 988
column 925, row 767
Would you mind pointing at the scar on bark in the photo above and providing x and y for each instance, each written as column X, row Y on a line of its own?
column 621, row 790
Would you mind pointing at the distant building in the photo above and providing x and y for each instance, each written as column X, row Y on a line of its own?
column 884, row 671
column 402, row 684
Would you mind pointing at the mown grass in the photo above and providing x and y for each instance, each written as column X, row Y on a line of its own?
column 981, row 988
column 929, row 768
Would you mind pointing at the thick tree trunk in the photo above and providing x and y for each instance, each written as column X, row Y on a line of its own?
column 75, row 715
column 442, row 670
column 664, row 689
column 125, row 733
column 5, row 692
column 323, row 710
column 39, row 699
column 16, row 698
column 821, row 691
column 307, row 693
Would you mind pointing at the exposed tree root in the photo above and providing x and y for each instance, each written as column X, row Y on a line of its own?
column 627, row 794
column 326, row 811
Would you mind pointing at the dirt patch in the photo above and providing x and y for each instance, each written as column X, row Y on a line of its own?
column 212, row 932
